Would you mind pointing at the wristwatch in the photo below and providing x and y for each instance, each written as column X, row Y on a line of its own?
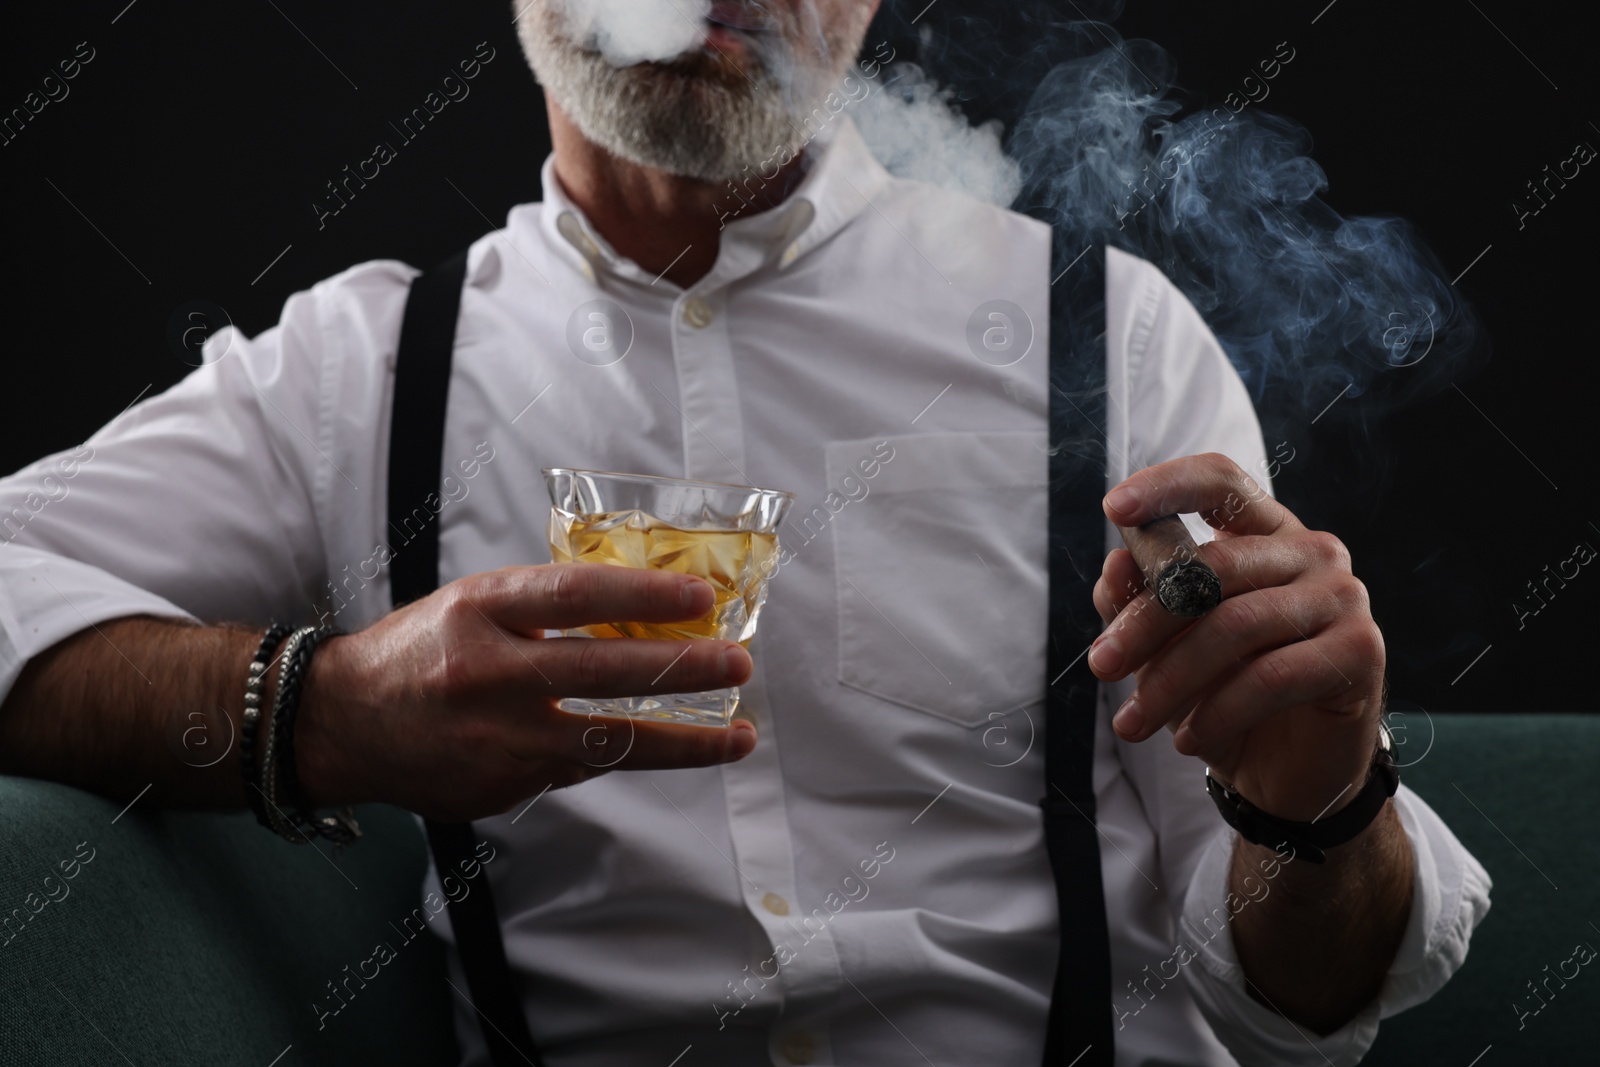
column 1306, row 840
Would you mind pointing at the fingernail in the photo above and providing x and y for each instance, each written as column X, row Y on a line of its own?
column 741, row 740
column 1124, row 500
column 692, row 596
column 1106, row 656
column 735, row 662
column 1128, row 721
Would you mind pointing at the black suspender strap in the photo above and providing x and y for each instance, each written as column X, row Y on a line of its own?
column 416, row 467
column 416, row 423
column 1080, row 1005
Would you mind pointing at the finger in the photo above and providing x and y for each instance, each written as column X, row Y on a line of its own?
column 1334, row 671
column 558, row 596
column 622, row 743
column 1212, row 485
column 625, row 666
column 1237, row 631
column 1244, row 564
column 1118, row 586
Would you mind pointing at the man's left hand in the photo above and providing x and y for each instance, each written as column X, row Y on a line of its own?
column 1280, row 687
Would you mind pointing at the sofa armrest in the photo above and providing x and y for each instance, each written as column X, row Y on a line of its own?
column 199, row 937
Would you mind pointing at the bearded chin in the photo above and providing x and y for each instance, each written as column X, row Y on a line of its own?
column 686, row 122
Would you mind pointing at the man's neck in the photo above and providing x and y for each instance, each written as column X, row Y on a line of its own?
column 665, row 223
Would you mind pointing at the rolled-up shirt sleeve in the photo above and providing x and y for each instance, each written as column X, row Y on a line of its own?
column 1174, row 393
column 1450, row 896
column 199, row 502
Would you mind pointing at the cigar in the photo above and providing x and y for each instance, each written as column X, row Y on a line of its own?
column 1167, row 557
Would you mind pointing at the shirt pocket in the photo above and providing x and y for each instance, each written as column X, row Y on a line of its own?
column 941, row 571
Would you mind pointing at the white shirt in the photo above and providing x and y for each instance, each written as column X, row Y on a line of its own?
column 899, row 666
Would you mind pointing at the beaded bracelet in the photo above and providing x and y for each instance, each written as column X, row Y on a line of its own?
column 252, row 716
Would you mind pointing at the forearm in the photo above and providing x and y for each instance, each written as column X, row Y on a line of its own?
column 1318, row 945
column 130, row 703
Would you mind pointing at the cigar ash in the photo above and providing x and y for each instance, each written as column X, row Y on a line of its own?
column 1169, row 559
column 1189, row 588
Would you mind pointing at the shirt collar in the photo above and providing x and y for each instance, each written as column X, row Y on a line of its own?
column 843, row 180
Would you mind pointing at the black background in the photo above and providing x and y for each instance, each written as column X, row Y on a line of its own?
column 186, row 158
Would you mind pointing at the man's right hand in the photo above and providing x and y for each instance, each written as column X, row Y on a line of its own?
column 447, row 706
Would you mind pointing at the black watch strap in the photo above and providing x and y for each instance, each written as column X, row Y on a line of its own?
column 1307, row 840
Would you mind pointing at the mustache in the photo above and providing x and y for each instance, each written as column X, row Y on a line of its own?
column 710, row 65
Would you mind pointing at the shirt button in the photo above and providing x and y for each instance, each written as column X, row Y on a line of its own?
column 697, row 313
column 798, row 1049
column 775, row 904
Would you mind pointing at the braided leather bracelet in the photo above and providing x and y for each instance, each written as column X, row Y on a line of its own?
column 277, row 820
column 340, row 828
column 279, row 779
column 252, row 716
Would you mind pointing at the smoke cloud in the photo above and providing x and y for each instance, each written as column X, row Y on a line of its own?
column 1227, row 202
column 636, row 31
column 917, row 131
column 1309, row 305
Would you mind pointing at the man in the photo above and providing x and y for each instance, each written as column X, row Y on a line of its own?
column 853, row 871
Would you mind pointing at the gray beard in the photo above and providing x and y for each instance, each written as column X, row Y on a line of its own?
column 709, row 126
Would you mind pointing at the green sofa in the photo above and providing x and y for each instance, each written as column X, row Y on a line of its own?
column 198, row 938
